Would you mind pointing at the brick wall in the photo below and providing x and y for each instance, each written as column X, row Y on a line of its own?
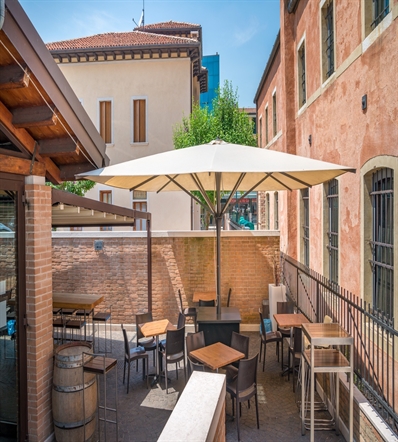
column 39, row 311
column 187, row 263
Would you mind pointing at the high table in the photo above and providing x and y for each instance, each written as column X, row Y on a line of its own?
column 77, row 301
column 217, row 355
column 218, row 329
column 329, row 360
column 156, row 328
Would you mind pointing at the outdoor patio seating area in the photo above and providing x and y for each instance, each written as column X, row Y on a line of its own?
column 143, row 412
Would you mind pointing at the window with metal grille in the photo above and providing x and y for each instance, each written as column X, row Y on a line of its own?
column 105, row 120
column 266, row 126
column 139, row 121
column 327, row 39
column 333, row 230
column 274, row 121
column 382, row 244
column 305, row 198
column 106, row 197
column 140, row 203
column 301, row 75
column 267, row 225
column 276, row 211
column 260, row 135
column 380, row 9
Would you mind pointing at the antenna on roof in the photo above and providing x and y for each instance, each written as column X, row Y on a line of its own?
column 141, row 21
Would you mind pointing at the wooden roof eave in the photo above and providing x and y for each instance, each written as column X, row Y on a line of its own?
column 23, row 36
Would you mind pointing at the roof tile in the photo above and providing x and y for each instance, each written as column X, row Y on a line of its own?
column 169, row 25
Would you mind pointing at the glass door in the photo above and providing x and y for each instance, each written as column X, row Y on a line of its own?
column 12, row 333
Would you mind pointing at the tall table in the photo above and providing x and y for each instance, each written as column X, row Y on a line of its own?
column 217, row 355
column 77, row 301
column 329, row 360
column 156, row 328
column 218, row 328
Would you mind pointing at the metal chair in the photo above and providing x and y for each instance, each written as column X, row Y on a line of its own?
column 131, row 355
column 193, row 342
column 174, row 351
column 244, row 387
column 229, row 296
column 295, row 354
column 189, row 312
column 241, row 343
column 284, row 307
column 267, row 338
column 148, row 343
column 203, row 303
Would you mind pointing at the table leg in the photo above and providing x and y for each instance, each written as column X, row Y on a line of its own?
column 312, row 416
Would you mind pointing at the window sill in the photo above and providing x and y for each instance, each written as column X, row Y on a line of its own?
column 377, row 31
column 276, row 137
column 139, row 144
column 110, row 144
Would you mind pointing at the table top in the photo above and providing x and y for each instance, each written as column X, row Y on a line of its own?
column 327, row 334
column 155, row 328
column 209, row 315
column 204, row 296
column 76, row 300
column 287, row 320
column 217, row 355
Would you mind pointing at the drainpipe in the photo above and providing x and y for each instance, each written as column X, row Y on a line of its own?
column 2, row 12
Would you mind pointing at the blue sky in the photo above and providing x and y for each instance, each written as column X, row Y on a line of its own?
column 241, row 31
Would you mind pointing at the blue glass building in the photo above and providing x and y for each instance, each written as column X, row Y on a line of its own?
column 212, row 63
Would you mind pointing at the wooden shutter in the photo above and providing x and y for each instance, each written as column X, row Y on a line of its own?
column 106, row 121
column 139, row 121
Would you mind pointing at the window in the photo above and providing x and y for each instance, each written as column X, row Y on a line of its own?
column 301, row 75
column 260, row 135
column 382, row 244
column 140, row 203
column 106, row 197
column 274, row 122
column 276, row 211
column 267, row 222
column 139, row 120
column 333, row 229
column 105, row 120
column 266, row 126
column 327, row 17
column 375, row 12
column 305, row 199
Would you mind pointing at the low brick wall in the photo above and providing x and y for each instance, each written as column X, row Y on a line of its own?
column 184, row 261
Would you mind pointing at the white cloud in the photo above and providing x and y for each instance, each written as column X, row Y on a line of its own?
column 245, row 34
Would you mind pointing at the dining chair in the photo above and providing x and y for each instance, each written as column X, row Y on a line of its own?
column 244, row 387
column 241, row 343
column 294, row 355
column 148, row 343
column 193, row 342
column 284, row 307
column 189, row 312
column 174, row 351
column 211, row 303
column 180, row 323
column 229, row 296
column 131, row 355
column 267, row 338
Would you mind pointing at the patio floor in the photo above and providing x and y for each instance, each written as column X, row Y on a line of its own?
column 144, row 412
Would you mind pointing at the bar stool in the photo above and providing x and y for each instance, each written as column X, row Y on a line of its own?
column 100, row 365
column 104, row 317
column 86, row 315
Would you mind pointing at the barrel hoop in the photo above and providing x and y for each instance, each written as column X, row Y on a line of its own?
column 66, row 358
column 73, row 388
column 72, row 425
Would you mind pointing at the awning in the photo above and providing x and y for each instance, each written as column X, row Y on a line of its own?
column 70, row 210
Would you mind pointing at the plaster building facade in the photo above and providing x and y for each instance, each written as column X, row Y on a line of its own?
column 136, row 86
column 329, row 91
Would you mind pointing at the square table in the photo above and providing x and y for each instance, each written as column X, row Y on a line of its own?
column 217, row 355
column 204, row 296
column 156, row 328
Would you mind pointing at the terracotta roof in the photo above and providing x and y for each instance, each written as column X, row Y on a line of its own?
column 119, row 39
column 169, row 25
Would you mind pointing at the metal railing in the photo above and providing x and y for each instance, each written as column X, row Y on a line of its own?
column 375, row 337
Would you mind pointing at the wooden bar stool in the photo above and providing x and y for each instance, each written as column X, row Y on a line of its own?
column 100, row 365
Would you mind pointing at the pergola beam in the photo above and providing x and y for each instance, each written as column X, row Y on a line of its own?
column 36, row 116
column 13, row 77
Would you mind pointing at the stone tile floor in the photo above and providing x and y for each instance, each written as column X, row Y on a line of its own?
column 142, row 413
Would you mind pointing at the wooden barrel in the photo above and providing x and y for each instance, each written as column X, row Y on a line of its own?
column 67, row 394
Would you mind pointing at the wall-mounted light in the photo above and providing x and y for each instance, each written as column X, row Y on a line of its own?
column 310, row 140
column 98, row 245
column 364, row 102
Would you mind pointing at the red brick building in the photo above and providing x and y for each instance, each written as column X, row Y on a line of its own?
column 329, row 91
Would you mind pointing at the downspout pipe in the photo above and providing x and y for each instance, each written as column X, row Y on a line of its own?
column 2, row 12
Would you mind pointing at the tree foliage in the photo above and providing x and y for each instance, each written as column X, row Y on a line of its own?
column 77, row 187
column 226, row 122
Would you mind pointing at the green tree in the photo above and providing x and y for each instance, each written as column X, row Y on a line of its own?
column 226, row 122
column 77, row 187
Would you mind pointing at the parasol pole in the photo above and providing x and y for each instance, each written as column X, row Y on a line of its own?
column 218, row 216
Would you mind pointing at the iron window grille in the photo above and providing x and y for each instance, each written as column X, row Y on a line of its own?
column 382, row 244
column 333, row 231
column 267, row 214
column 303, row 94
column 329, row 39
column 266, row 127
column 276, row 211
column 380, row 9
column 305, row 196
column 275, row 126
